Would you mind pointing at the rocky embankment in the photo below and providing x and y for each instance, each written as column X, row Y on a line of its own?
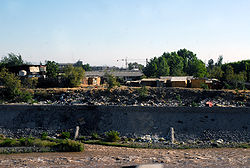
column 172, row 97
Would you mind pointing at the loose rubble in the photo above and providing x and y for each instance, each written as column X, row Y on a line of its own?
column 159, row 97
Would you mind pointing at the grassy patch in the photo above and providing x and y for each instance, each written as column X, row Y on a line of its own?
column 244, row 145
column 165, row 146
column 112, row 136
column 60, row 145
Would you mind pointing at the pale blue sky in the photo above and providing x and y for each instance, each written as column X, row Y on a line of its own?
column 101, row 31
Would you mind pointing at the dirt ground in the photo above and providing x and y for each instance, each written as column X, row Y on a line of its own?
column 104, row 156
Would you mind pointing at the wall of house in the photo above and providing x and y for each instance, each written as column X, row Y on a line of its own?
column 232, row 124
column 179, row 84
column 196, row 83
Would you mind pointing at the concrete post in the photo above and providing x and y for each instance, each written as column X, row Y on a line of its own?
column 77, row 132
column 172, row 135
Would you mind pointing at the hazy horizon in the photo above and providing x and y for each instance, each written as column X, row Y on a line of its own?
column 101, row 32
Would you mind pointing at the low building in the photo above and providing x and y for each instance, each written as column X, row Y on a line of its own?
column 92, row 80
column 122, row 75
column 153, row 82
column 177, row 81
column 210, row 83
column 29, row 70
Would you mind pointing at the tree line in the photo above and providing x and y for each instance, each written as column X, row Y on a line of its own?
column 185, row 62
column 178, row 63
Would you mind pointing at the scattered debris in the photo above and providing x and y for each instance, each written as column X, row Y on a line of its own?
column 158, row 97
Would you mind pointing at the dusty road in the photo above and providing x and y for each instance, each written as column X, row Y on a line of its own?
column 103, row 156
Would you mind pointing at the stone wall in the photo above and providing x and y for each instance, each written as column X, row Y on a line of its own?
column 232, row 124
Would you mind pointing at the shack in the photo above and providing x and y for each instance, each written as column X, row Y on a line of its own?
column 153, row 82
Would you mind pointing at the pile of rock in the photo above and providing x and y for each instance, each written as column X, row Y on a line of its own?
column 172, row 97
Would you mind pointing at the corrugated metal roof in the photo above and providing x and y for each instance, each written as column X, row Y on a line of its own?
column 177, row 78
column 115, row 73
column 180, row 78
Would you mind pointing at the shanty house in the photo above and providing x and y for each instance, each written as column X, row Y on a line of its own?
column 29, row 70
column 177, row 81
column 125, row 76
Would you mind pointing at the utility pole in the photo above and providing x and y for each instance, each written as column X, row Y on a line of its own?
column 126, row 62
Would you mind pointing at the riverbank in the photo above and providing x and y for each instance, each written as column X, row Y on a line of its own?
column 107, row 156
column 149, row 96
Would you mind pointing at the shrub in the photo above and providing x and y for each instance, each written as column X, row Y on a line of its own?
column 194, row 104
column 143, row 92
column 65, row 135
column 12, row 87
column 69, row 146
column 26, row 141
column 26, row 96
column 95, row 136
column 30, row 82
column 9, row 143
column 43, row 143
column 204, row 86
column 112, row 136
column 44, row 136
column 2, row 136
column 178, row 97
column 111, row 80
column 72, row 76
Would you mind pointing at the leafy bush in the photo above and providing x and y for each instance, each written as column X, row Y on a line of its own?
column 26, row 141
column 65, row 135
column 112, row 136
column 194, row 104
column 26, row 96
column 69, row 146
column 95, row 136
column 12, row 88
column 12, row 85
column 9, row 143
column 204, row 86
column 44, row 136
column 72, row 76
column 178, row 97
column 2, row 136
column 29, row 82
column 43, row 143
column 111, row 80
column 52, row 69
column 143, row 92
column 53, row 145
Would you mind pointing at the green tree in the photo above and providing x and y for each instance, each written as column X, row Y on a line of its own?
column 78, row 64
column 197, row 68
column 163, row 68
column 176, row 64
column 219, row 61
column 135, row 65
column 216, row 72
column 12, row 87
column 229, row 75
column 151, row 68
column 188, row 57
column 210, row 64
column 111, row 80
column 87, row 67
column 12, row 84
column 182, row 62
column 233, row 79
column 12, row 60
column 52, row 69
column 73, row 76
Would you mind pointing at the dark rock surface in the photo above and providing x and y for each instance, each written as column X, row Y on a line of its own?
column 158, row 97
